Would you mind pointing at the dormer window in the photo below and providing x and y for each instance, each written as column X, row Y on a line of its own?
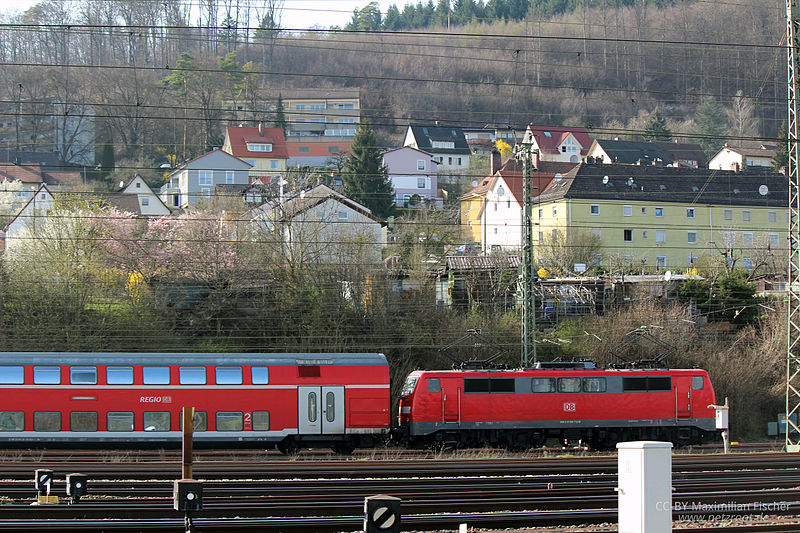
column 548, row 134
column 259, row 147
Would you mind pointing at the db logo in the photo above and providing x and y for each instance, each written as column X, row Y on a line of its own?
column 569, row 407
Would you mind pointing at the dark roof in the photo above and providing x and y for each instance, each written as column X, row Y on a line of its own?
column 426, row 133
column 631, row 152
column 671, row 185
column 124, row 202
column 683, row 152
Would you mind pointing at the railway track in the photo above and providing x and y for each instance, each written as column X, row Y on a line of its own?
column 327, row 495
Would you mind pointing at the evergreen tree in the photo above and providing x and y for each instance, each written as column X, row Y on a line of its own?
column 107, row 160
column 781, row 158
column 656, row 128
column 710, row 121
column 364, row 177
column 280, row 116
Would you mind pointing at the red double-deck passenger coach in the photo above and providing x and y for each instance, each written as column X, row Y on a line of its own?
column 289, row 400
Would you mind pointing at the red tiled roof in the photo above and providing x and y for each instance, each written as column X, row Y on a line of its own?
column 557, row 135
column 240, row 136
column 31, row 173
column 511, row 172
column 317, row 149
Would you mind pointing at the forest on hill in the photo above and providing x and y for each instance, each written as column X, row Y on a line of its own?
column 605, row 65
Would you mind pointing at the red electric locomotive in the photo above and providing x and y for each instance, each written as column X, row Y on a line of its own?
column 289, row 400
column 576, row 401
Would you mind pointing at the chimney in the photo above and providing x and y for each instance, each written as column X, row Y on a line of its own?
column 260, row 129
column 495, row 162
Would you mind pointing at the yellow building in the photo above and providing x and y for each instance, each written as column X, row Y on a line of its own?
column 471, row 207
column 656, row 218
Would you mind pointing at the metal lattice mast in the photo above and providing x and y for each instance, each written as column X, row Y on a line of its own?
column 527, row 274
column 793, row 345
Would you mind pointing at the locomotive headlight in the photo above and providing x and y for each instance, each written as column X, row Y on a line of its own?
column 406, row 410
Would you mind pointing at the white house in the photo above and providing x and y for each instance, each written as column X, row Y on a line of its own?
column 33, row 212
column 150, row 204
column 739, row 157
column 195, row 180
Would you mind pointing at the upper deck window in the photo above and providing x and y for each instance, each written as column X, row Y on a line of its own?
column 229, row 375
column 192, row 375
column 260, row 375
column 155, row 375
column 119, row 375
column 12, row 374
column 83, row 375
column 46, row 375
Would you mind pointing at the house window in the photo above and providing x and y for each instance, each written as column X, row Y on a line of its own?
column 627, row 210
column 661, row 235
column 273, row 165
column 138, row 185
column 774, row 239
column 644, row 234
column 206, row 177
column 501, row 191
column 594, row 209
column 541, row 236
column 661, row 261
column 692, row 260
column 205, row 191
column 690, row 212
column 747, row 238
column 302, row 149
column 342, row 215
column 229, row 177
column 728, row 214
column 344, row 106
column 627, row 235
column 729, row 238
column 691, row 237
column 420, row 183
column 659, row 212
column 145, row 202
column 746, row 215
column 747, row 263
column 644, row 210
column 420, row 164
column 333, row 149
column 555, row 211
column 772, row 216
column 299, row 107
column 317, row 107
column 259, row 147
column 459, row 161
column 449, row 160
column 541, row 213
column 598, row 232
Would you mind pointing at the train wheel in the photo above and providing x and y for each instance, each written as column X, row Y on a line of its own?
column 288, row 446
column 345, row 447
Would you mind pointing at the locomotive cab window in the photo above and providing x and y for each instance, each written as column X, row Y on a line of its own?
column 594, row 384
column 476, row 385
column 46, row 421
column 260, row 375
column 192, row 375
column 83, row 375
column 199, row 421
column 119, row 375
column 656, row 384
column 119, row 421
column 47, row 375
column 408, row 386
column 155, row 375
column 634, row 384
column 543, row 385
column 434, row 385
column 156, row 421
column 228, row 375
column 83, row 421
column 569, row 384
column 12, row 421
column 12, row 375
column 697, row 382
column 501, row 385
column 229, row 421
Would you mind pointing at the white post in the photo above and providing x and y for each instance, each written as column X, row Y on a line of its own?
column 645, row 487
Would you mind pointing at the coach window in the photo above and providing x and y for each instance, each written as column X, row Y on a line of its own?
column 543, row 385
column 156, row 421
column 119, row 375
column 659, row 384
column 697, row 382
column 46, row 375
column 119, row 421
column 47, row 421
column 260, row 420
column 569, row 384
column 199, row 421
column 594, row 384
column 330, row 406
column 155, row 375
column 83, row 421
column 83, row 375
column 228, row 375
column 476, row 385
column 434, row 385
column 229, row 421
column 12, row 421
column 312, row 406
column 192, row 375
column 260, row 375
column 12, row 375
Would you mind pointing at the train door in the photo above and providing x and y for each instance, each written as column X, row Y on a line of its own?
column 683, row 396
column 320, row 410
column 451, row 399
